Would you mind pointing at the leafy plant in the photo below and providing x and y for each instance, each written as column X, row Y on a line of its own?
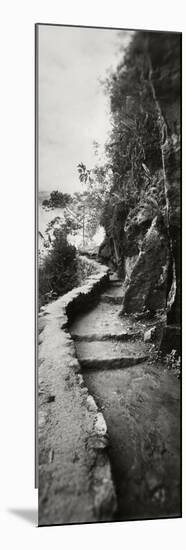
column 173, row 362
column 58, row 274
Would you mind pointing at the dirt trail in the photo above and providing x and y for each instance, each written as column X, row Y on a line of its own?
column 141, row 406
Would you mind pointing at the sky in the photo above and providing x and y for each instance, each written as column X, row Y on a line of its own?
column 73, row 110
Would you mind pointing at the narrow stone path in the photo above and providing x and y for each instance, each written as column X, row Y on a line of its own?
column 141, row 406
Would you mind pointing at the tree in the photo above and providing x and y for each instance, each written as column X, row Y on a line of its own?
column 84, row 177
column 57, row 200
column 91, row 198
column 58, row 274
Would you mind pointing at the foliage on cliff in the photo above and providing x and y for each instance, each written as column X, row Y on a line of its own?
column 134, row 154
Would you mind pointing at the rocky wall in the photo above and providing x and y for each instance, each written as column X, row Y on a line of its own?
column 146, row 287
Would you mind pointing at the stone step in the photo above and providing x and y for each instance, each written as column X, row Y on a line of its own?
column 110, row 355
column 115, row 284
column 111, row 298
column 122, row 336
column 104, row 319
column 114, row 289
column 113, row 294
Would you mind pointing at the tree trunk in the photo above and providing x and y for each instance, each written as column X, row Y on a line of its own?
column 83, row 225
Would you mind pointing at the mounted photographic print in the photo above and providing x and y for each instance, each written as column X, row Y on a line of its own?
column 108, row 277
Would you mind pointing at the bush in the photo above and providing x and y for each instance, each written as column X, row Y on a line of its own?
column 173, row 362
column 57, row 200
column 58, row 274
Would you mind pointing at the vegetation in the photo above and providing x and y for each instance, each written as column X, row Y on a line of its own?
column 144, row 100
column 58, row 274
column 57, row 200
column 90, row 201
column 144, row 96
column 172, row 360
column 59, row 270
column 133, row 150
column 131, row 179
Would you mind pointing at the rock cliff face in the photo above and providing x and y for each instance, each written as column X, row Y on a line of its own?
column 169, row 98
column 168, row 94
column 171, row 154
column 106, row 253
column 144, row 241
column 146, row 288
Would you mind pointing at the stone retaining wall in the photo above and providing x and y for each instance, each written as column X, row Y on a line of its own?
column 74, row 478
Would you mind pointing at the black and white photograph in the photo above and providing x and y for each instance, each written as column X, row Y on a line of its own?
column 108, row 274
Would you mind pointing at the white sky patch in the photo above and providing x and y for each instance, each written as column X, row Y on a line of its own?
column 73, row 108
